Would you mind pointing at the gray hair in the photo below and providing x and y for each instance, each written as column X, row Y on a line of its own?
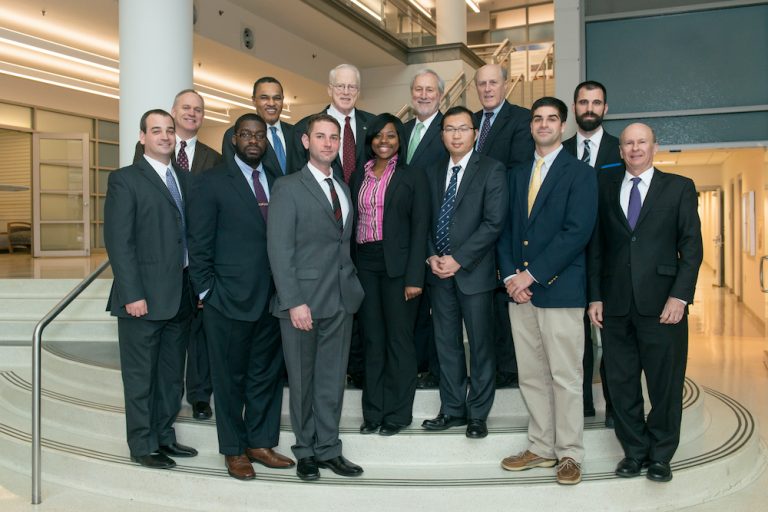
column 427, row 71
column 332, row 74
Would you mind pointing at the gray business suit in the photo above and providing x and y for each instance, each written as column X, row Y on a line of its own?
column 311, row 264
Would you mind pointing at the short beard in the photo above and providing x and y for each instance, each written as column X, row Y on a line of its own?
column 589, row 125
column 253, row 162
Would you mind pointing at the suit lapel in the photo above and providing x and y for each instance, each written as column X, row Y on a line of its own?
column 548, row 185
column 397, row 178
column 498, row 124
column 149, row 173
column 654, row 191
column 360, row 132
column 314, row 188
column 523, row 178
column 615, row 201
column 242, row 188
column 426, row 138
column 469, row 175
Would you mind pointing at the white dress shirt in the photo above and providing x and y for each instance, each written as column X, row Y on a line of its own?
column 161, row 168
column 280, row 134
column 189, row 150
column 248, row 173
column 594, row 145
column 463, row 163
column 341, row 118
column 321, row 177
column 642, row 187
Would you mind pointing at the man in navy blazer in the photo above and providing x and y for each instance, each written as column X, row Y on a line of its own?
column 541, row 252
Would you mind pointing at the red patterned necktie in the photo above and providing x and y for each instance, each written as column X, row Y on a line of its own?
column 336, row 203
column 182, row 159
column 348, row 158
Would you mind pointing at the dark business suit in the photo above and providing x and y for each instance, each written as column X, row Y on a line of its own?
column 479, row 211
column 430, row 150
column 550, row 243
column 509, row 141
column 633, row 273
column 228, row 259
column 311, row 264
column 608, row 159
column 143, row 234
column 386, row 319
column 198, row 374
column 269, row 160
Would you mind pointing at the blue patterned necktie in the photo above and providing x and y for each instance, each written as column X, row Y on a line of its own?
column 586, row 156
column 443, row 228
column 484, row 130
column 278, row 147
column 633, row 210
column 176, row 195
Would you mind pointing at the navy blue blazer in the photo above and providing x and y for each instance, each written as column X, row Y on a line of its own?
column 551, row 243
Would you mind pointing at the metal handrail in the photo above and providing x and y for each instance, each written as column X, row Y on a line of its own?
column 461, row 82
column 37, row 339
column 513, row 84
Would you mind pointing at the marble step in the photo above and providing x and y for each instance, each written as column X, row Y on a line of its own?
column 52, row 288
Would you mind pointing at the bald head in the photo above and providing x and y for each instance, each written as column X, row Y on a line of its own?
column 637, row 144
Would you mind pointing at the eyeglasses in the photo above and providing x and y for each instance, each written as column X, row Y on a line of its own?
column 464, row 129
column 248, row 135
column 346, row 87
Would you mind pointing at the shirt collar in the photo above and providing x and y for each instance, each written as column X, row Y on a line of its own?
column 276, row 125
column 495, row 111
column 190, row 142
column 318, row 174
column 549, row 158
column 427, row 122
column 333, row 111
column 247, row 169
column 645, row 176
column 594, row 139
column 463, row 162
column 158, row 166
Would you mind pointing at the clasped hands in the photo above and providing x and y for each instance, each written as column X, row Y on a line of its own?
column 444, row 266
column 519, row 286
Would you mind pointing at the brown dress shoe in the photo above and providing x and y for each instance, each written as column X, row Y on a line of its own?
column 269, row 458
column 568, row 471
column 526, row 460
column 239, row 467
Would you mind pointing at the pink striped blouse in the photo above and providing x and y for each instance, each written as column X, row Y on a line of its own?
column 370, row 222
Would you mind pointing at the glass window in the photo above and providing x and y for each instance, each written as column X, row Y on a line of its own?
column 15, row 115
column 541, row 13
column 109, row 131
column 508, row 19
column 47, row 121
column 109, row 155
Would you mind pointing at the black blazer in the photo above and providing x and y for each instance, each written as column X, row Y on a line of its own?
column 204, row 159
column 143, row 236
column 431, row 148
column 659, row 259
column 608, row 156
column 479, row 214
column 269, row 160
column 228, row 243
column 406, row 221
column 301, row 156
column 509, row 140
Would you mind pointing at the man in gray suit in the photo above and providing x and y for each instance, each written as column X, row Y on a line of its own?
column 308, row 235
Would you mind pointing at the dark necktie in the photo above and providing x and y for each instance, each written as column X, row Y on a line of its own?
column 586, row 155
column 484, row 130
column 182, row 159
column 443, row 228
column 278, row 147
column 176, row 195
column 633, row 210
column 348, row 158
column 261, row 195
column 335, row 202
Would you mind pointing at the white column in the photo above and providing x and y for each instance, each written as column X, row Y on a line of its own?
column 155, row 61
column 569, row 51
column 451, row 20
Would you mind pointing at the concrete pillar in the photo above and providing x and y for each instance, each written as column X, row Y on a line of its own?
column 155, row 61
column 569, row 51
column 451, row 20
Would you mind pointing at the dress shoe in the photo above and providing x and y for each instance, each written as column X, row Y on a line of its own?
column 357, row 380
column 526, row 460
column 568, row 471
column 369, row 427
column 238, row 466
column 201, row 410
column 506, row 380
column 155, row 461
column 307, row 469
column 608, row 419
column 659, row 472
column 427, row 380
column 390, row 429
column 177, row 450
column 476, row 429
column 269, row 458
column 443, row 421
column 341, row 466
column 629, row 467
column 589, row 411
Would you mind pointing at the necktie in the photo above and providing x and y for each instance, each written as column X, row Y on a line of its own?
column 348, row 158
column 586, row 155
column 414, row 142
column 535, row 185
column 182, row 159
column 335, row 202
column 261, row 195
column 633, row 210
column 176, row 195
column 484, row 130
column 278, row 147
column 443, row 228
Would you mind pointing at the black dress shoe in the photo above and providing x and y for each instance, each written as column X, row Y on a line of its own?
column 629, row 467
column 506, row 380
column 155, row 461
column 476, row 429
column 428, row 380
column 307, row 469
column 608, row 419
column 369, row 427
column 589, row 411
column 390, row 429
column 341, row 466
column 201, row 410
column 659, row 472
column 443, row 421
column 177, row 450
column 356, row 380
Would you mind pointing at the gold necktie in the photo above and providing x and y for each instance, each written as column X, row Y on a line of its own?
column 535, row 185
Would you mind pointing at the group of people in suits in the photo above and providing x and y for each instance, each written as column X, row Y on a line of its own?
column 352, row 244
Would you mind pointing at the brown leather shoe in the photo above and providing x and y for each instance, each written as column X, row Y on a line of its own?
column 239, row 467
column 526, row 460
column 269, row 458
column 568, row 471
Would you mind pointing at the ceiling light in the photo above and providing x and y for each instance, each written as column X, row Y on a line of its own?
column 366, row 9
column 45, row 77
column 473, row 5
column 421, row 8
column 57, row 50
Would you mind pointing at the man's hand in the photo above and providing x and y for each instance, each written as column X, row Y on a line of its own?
column 301, row 317
column 595, row 313
column 444, row 266
column 411, row 292
column 137, row 309
column 518, row 287
column 673, row 311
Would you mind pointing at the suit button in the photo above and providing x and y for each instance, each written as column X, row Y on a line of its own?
column 525, row 263
column 634, row 238
column 525, row 242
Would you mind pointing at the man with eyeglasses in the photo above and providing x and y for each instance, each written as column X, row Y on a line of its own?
column 469, row 202
column 227, row 215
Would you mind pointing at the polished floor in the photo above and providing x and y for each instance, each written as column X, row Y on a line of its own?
column 727, row 353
